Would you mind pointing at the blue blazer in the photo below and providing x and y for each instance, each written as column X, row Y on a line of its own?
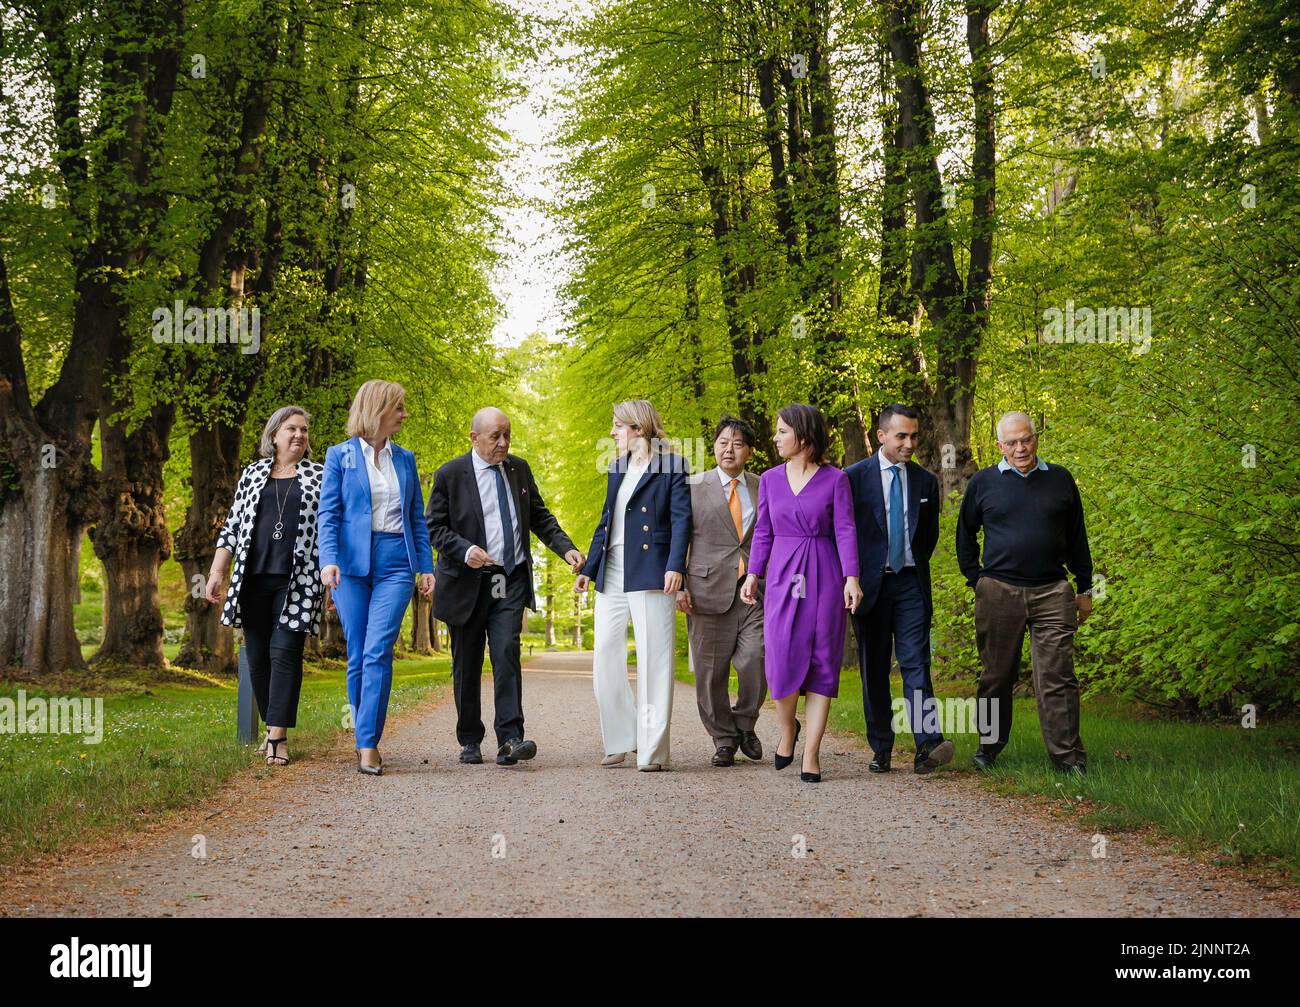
column 656, row 526
column 343, row 533
column 923, row 505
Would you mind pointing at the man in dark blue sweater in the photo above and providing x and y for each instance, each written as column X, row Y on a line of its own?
column 1032, row 518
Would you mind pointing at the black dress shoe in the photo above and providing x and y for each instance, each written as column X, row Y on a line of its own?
column 750, row 746
column 810, row 777
column 1072, row 768
column 470, row 755
column 931, row 757
column 781, row 761
column 982, row 760
column 724, row 756
column 880, row 762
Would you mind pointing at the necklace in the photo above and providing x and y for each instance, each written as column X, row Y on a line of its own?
column 278, row 533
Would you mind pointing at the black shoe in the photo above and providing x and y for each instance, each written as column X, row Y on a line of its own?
column 1073, row 768
column 983, row 760
column 724, row 756
column 931, row 757
column 520, row 750
column 811, row 777
column 781, row 761
column 470, row 755
column 879, row 762
column 750, row 747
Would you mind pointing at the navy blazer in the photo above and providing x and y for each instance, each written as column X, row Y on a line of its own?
column 656, row 526
column 923, row 505
column 343, row 530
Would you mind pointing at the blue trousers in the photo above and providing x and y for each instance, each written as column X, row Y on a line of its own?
column 897, row 624
column 371, row 610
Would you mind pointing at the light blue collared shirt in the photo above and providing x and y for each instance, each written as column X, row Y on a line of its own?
column 1006, row 466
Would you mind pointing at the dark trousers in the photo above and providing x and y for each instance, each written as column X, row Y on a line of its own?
column 896, row 623
column 1002, row 613
column 274, row 653
column 496, row 619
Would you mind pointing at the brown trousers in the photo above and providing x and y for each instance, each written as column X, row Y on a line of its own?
column 717, row 642
column 1002, row 613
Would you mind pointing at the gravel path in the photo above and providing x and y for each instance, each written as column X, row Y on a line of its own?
column 561, row 836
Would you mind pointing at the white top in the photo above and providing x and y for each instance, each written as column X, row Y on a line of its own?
column 488, row 496
column 886, row 475
column 746, row 505
column 385, row 488
column 625, row 489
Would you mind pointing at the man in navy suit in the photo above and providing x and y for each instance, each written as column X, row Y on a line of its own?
column 896, row 508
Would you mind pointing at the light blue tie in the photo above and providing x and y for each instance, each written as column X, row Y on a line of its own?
column 897, row 551
column 507, row 526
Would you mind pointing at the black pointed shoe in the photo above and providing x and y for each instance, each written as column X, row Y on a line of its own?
column 750, row 747
column 880, row 762
column 781, row 761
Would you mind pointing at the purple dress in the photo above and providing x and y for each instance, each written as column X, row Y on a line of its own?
column 804, row 546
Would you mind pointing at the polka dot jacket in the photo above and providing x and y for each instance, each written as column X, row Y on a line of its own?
column 302, row 606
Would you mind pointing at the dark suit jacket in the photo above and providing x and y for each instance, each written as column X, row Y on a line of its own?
column 455, row 520
column 873, row 530
column 656, row 526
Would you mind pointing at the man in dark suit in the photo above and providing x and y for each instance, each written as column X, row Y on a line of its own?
column 482, row 508
column 896, row 508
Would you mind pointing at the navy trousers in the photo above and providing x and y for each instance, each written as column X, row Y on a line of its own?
column 896, row 623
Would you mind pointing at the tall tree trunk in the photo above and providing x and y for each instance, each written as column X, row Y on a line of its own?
column 957, row 312
column 131, row 539
column 214, row 473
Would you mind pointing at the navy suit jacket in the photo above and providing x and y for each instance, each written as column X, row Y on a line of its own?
column 343, row 528
column 656, row 525
column 873, row 530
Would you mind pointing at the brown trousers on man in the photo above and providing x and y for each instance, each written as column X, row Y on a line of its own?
column 1002, row 614
column 733, row 637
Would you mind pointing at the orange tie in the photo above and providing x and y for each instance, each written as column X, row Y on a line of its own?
column 734, row 506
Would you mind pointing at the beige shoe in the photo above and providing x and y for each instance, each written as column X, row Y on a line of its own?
column 613, row 760
column 651, row 767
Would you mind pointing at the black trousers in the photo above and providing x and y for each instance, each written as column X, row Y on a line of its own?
column 274, row 653
column 496, row 620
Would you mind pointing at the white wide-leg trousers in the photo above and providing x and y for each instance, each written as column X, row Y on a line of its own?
column 640, row 723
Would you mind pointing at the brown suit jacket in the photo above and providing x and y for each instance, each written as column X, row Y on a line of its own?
column 714, row 554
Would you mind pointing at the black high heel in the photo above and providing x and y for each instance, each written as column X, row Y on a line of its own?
column 781, row 761
column 810, row 777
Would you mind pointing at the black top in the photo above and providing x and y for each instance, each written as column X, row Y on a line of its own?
column 266, row 553
column 1033, row 528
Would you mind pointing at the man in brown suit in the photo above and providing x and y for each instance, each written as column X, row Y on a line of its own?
column 723, row 630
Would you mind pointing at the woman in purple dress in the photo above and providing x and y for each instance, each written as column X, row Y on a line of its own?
column 805, row 545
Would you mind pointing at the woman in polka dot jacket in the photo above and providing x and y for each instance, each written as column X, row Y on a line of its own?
column 275, row 590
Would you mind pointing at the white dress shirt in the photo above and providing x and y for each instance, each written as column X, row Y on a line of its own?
column 746, row 505
column 385, row 488
column 625, row 489
column 487, row 494
column 885, row 476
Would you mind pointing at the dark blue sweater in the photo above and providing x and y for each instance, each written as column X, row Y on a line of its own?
column 1033, row 528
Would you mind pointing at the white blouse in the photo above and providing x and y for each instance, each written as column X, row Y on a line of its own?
column 625, row 489
column 385, row 488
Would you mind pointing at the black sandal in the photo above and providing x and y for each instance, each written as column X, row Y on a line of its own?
column 273, row 758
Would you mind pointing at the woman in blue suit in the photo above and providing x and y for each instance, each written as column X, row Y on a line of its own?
column 372, row 541
column 636, row 560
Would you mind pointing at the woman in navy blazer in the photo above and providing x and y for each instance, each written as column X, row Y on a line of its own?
column 636, row 560
column 372, row 541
